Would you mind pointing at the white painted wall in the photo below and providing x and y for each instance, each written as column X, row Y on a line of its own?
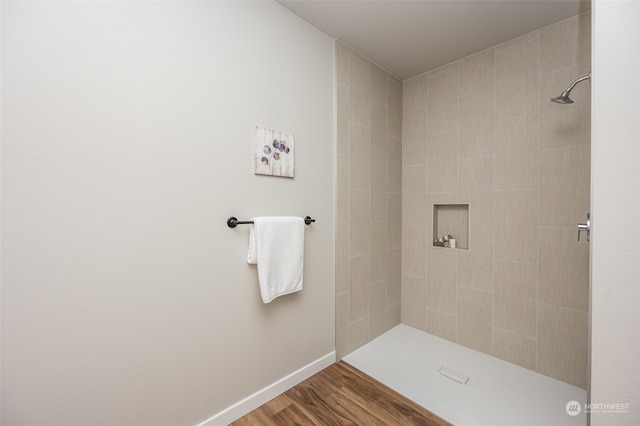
column 126, row 144
column 615, row 291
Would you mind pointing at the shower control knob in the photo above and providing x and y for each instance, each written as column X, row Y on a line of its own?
column 585, row 227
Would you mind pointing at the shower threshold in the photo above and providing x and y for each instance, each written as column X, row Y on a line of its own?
column 496, row 392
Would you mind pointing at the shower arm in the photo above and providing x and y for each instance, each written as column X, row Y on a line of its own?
column 588, row 76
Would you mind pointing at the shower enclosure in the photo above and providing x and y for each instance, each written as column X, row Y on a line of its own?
column 479, row 132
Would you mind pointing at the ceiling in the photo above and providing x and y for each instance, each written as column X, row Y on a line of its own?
column 408, row 38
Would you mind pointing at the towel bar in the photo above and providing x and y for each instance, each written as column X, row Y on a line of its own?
column 232, row 222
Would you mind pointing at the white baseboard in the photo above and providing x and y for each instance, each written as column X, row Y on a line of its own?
column 254, row 401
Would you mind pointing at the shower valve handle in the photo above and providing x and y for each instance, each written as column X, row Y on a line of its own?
column 585, row 227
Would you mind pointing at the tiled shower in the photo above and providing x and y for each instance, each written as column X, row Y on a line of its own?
column 369, row 200
column 479, row 131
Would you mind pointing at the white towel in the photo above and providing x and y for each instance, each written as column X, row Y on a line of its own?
column 276, row 245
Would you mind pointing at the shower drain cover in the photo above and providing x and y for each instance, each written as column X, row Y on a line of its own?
column 454, row 375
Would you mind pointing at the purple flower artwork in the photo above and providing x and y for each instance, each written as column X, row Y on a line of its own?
column 273, row 152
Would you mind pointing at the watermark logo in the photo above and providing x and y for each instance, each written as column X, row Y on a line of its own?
column 607, row 408
column 573, row 408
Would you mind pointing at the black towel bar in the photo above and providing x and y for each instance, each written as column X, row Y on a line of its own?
column 232, row 222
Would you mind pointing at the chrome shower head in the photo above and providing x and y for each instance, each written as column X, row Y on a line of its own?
column 564, row 98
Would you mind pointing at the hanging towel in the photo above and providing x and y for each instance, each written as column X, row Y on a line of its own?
column 276, row 245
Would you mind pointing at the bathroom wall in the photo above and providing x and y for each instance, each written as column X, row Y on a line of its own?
column 615, row 270
column 482, row 131
column 368, row 210
column 126, row 143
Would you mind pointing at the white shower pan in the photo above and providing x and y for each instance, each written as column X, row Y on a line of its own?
column 495, row 392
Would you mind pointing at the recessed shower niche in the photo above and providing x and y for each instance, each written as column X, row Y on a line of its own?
column 451, row 226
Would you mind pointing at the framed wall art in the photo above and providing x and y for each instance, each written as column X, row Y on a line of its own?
column 273, row 152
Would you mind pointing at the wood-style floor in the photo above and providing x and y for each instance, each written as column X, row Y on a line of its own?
column 340, row 395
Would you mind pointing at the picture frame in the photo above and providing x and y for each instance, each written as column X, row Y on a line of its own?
column 273, row 152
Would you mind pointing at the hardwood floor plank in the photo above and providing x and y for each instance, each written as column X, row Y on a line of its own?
column 254, row 418
column 340, row 395
column 305, row 394
column 359, row 414
column 293, row 415
column 403, row 410
column 382, row 413
column 325, row 383
column 243, row 421
column 276, row 405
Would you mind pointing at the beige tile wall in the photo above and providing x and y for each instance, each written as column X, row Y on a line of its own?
column 482, row 131
column 369, row 200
